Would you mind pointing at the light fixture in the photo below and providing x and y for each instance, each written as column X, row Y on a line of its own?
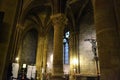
column 75, row 61
column 51, row 58
column 24, row 65
column 17, row 59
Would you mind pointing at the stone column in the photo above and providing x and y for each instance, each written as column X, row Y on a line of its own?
column 72, row 54
column 45, row 53
column 77, row 52
column 39, row 57
column 107, row 39
column 16, row 42
column 59, row 22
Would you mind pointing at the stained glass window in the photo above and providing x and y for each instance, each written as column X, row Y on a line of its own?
column 66, row 48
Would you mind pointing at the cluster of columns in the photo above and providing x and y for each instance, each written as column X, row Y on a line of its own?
column 107, row 20
column 74, row 54
column 107, row 33
column 59, row 22
column 41, row 57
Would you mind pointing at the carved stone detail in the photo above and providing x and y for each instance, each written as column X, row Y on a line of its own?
column 59, row 19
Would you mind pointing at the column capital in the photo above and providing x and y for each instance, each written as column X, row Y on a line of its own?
column 20, row 27
column 59, row 19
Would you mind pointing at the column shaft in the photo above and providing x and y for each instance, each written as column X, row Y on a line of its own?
column 58, row 50
column 59, row 21
column 39, row 57
column 72, row 54
column 45, row 53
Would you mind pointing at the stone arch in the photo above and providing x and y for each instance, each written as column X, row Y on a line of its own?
column 28, row 48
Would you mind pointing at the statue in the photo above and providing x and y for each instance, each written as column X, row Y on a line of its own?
column 94, row 46
column 93, row 42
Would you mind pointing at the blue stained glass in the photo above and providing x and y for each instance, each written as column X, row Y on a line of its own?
column 66, row 48
column 66, row 53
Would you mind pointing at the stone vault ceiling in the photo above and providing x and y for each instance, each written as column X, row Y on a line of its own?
column 39, row 11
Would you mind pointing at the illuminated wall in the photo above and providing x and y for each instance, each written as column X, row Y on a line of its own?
column 87, row 31
column 50, row 52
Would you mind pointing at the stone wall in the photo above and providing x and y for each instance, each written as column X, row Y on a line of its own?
column 87, row 31
column 28, row 51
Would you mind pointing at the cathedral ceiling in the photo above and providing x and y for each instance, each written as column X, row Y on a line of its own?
column 39, row 11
